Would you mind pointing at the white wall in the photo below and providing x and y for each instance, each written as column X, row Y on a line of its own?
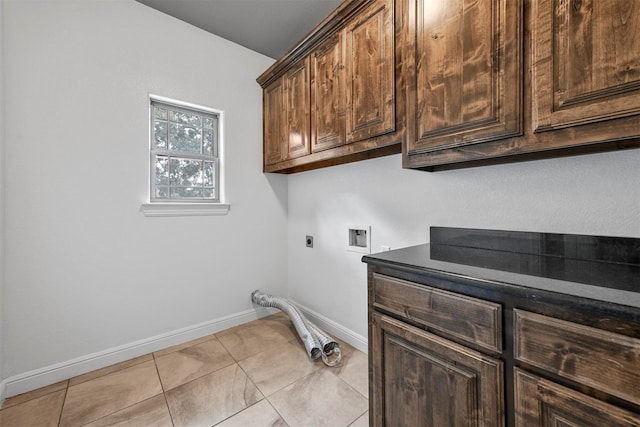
column 593, row 194
column 2, row 205
column 86, row 272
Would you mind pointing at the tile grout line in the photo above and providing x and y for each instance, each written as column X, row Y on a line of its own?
column 164, row 393
column 237, row 363
column 229, row 353
column 195, row 379
column 123, row 409
column 358, row 417
column 126, row 407
column 295, row 340
column 349, row 385
column 66, row 390
column 110, row 372
column 182, row 346
column 5, row 406
column 277, row 412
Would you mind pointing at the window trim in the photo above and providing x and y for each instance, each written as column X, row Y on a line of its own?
column 175, row 154
column 186, row 207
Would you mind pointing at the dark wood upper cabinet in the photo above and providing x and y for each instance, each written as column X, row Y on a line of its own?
column 353, row 81
column 297, row 110
column 464, row 73
column 274, row 126
column 497, row 81
column 328, row 95
column 586, row 61
column 370, row 89
column 340, row 91
column 286, row 126
column 457, row 83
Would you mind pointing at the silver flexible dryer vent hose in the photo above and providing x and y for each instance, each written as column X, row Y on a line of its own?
column 315, row 340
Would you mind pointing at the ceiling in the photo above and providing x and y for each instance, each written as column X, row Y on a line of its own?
column 270, row 27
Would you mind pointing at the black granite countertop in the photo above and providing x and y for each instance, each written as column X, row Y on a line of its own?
column 599, row 268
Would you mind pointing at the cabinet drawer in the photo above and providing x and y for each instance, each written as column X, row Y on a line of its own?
column 540, row 402
column 600, row 359
column 469, row 319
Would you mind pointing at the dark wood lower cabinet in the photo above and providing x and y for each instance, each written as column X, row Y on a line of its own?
column 451, row 351
column 424, row 380
column 542, row 403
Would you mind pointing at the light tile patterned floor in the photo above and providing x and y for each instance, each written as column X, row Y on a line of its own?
column 253, row 375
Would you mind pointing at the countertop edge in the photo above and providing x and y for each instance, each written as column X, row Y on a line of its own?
column 497, row 278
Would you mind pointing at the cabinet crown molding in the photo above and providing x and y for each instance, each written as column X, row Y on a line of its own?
column 337, row 19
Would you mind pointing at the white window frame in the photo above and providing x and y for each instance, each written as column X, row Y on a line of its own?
column 186, row 206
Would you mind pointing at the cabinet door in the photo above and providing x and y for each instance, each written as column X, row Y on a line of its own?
column 370, row 69
column 464, row 75
column 419, row 379
column 327, row 95
column 586, row 61
column 274, row 122
column 542, row 403
column 298, row 109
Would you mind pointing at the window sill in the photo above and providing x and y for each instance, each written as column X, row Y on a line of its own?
column 184, row 209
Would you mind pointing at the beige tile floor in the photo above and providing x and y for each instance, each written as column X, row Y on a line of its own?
column 253, row 375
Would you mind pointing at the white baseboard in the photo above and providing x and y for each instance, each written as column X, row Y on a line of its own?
column 42, row 377
column 335, row 329
column 3, row 386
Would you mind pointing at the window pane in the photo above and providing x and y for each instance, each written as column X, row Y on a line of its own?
column 183, row 150
column 186, row 118
column 208, row 173
column 207, row 144
column 162, row 192
column 160, row 132
column 184, row 138
column 186, row 192
column 162, row 170
column 161, row 113
column 185, row 172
